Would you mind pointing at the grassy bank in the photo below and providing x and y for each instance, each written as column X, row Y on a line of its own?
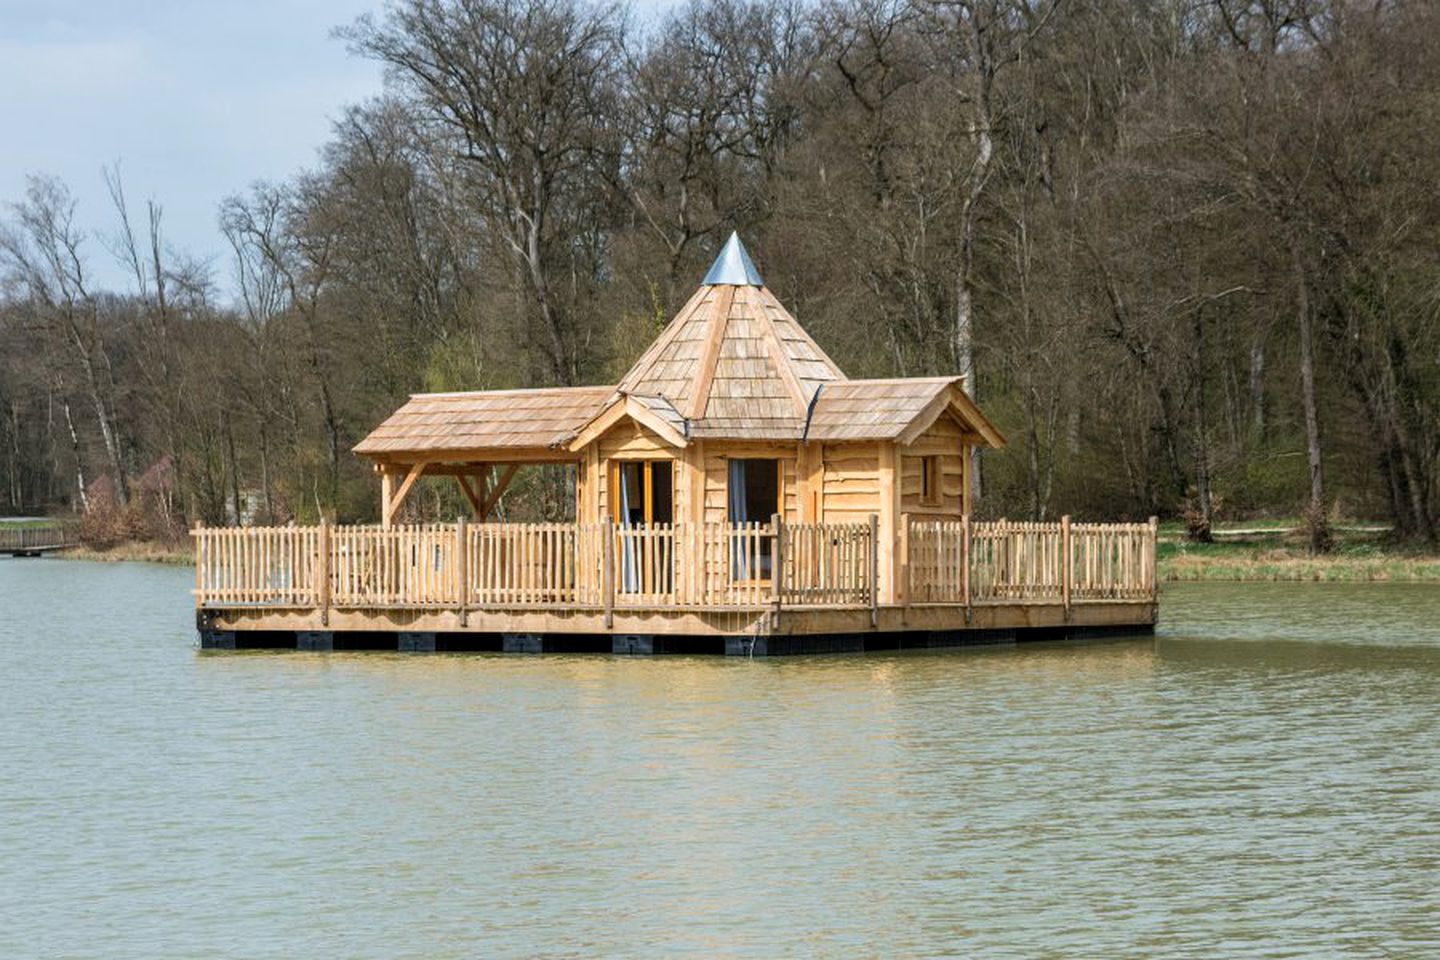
column 1276, row 550
column 25, row 523
column 134, row 551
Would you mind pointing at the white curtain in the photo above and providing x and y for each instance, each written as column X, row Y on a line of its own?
column 629, row 569
column 739, row 513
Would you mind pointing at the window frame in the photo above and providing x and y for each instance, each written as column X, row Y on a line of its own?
column 647, row 485
column 930, row 480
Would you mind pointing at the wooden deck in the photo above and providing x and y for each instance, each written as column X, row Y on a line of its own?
column 34, row 541
column 770, row 588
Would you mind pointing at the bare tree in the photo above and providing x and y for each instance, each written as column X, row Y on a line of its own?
column 42, row 254
column 524, row 90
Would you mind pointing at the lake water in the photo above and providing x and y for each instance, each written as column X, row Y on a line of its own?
column 1261, row 779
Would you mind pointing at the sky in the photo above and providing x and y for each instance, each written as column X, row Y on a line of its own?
column 194, row 101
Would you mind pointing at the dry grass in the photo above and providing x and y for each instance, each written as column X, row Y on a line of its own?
column 130, row 550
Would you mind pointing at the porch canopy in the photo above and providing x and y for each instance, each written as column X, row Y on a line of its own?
column 732, row 365
column 481, row 438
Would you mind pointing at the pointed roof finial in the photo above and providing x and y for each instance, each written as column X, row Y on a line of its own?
column 733, row 266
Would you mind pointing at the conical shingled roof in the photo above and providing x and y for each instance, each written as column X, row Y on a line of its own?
column 734, row 362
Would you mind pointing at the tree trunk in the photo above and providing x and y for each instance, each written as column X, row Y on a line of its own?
column 108, row 433
column 540, row 287
column 82, row 493
column 1320, row 541
column 236, row 504
column 1257, row 385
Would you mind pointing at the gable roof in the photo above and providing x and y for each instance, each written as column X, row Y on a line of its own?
column 894, row 409
column 506, row 419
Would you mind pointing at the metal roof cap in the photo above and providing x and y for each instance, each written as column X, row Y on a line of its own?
column 733, row 266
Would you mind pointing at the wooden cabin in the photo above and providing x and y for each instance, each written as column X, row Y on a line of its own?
column 732, row 469
column 733, row 415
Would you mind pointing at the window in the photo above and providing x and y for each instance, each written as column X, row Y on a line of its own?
column 642, row 491
column 930, row 480
column 753, row 496
column 754, row 490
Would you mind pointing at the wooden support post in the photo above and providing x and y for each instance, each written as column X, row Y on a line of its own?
column 390, row 502
column 199, row 535
column 393, row 507
column 874, row 571
column 607, row 570
column 322, row 571
column 965, row 553
column 808, row 480
column 695, row 457
column 1066, row 566
column 890, row 486
column 902, row 578
column 967, row 486
column 817, row 483
column 777, row 567
column 1150, row 560
column 592, row 509
column 462, row 569
column 694, row 473
column 470, row 494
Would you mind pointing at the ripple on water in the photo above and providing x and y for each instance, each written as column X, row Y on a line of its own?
column 1262, row 779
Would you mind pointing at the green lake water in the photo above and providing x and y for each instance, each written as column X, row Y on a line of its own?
column 1260, row 779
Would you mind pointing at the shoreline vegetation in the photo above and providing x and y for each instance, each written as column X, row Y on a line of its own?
column 1277, row 550
column 138, row 551
column 1259, row 551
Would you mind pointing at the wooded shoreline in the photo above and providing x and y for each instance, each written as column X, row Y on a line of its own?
column 1183, row 253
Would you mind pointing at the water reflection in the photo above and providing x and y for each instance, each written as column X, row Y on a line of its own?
column 1258, row 780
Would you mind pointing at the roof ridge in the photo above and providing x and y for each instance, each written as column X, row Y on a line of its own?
column 511, row 391
column 709, row 360
column 667, row 335
column 945, row 378
column 799, row 328
column 778, row 358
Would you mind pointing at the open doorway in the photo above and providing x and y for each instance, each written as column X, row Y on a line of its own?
column 642, row 501
column 753, row 497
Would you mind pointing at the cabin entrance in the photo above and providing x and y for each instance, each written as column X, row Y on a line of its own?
column 642, row 500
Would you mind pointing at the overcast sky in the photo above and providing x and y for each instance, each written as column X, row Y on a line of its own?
column 195, row 100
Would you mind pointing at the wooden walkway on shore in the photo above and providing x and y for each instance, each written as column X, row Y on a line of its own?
column 35, row 541
column 773, row 588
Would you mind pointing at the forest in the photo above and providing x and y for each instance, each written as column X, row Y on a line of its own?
column 1187, row 252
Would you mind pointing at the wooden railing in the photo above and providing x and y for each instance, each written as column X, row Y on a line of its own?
column 248, row 565
column 49, row 537
column 828, row 563
column 965, row 562
column 663, row 566
column 552, row 565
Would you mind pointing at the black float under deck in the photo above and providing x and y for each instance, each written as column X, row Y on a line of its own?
column 328, row 641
